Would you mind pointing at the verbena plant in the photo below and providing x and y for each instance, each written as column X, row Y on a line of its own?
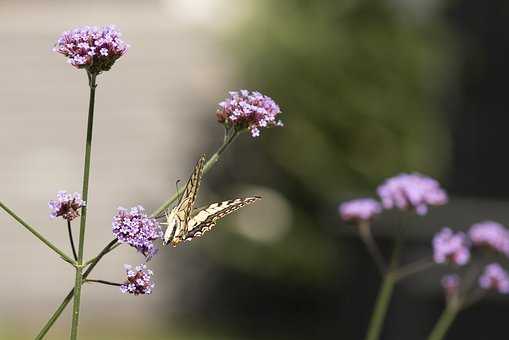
column 471, row 257
column 95, row 50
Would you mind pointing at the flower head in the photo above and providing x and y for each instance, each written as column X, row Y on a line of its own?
column 450, row 246
column 496, row 278
column 251, row 110
column 411, row 191
column 66, row 205
column 490, row 234
column 362, row 209
column 93, row 48
column 138, row 230
column 450, row 284
column 139, row 280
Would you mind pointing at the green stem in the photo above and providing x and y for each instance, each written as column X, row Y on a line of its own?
column 381, row 307
column 112, row 245
column 71, row 240
column 445, row 321
column 384, row 296
column 37, row 234
column 104, row 282
column 55, row 316
column 413, row 268
column 369, row 241
column 86, row 175
column 211, row 162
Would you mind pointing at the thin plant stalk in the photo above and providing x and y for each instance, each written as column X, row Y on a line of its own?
column 384, row 296
column 37, row 234
column 446, row 319
column 413, row 268
column 110, row 247
column 381, row 306
column 71, row 240
column 374, row 250
column 83, row 221
column 104, row 282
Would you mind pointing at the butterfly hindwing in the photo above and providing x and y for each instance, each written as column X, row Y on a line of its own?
column 206, row 219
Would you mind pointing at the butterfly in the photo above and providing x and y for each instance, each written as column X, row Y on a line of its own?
column 181, row 226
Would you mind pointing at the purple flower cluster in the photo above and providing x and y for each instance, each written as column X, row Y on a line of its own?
column 138, row 230
column 93, row 48
column 251, row 110
column 411, row 191
column 66, row 205
column 490, row 234
column 450, row 247
column 139, row 280
column 496, row 278
column 362, row 209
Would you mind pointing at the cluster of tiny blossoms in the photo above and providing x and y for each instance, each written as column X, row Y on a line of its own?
column 251, row 110
column 93, row 48
column 454, row 248
column 404, row 191
column 66, row 205
column 139, row 280
column 411, row 191
column 491, row 235
column 450, row 247
column 362, row 209
column 495, row 278
column 138, row 230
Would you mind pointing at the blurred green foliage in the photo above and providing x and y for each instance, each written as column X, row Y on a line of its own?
column 359, row 83
column 359, row 86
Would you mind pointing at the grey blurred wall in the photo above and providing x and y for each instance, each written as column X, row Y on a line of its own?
column 149, row 110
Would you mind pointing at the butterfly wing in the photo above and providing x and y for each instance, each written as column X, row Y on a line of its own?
column 206, row 219
column 178, row 218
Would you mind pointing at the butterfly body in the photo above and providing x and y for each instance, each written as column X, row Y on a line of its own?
column 183, row 227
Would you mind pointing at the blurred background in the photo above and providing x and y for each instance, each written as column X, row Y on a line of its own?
column 369, row 88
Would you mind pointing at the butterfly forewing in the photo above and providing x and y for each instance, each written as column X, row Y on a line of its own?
column 206, row 219
column 178, row 218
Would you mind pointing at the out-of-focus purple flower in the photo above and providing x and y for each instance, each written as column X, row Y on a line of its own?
column 93, row 48
column 450, row 246
column 490, row 234
column 411, row 191
column 138, row 230
column 362, row 209
column 251, row 110
column 66, row 205
column 139, row 280
column 450, row 284
column 496, row 278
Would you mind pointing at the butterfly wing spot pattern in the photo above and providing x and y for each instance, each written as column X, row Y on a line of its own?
column 206, row 219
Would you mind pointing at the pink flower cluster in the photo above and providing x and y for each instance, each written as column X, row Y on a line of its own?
column 496, row 278
column 490, row 234
column 66, row 205
column 362, row 209
column 411, row 191
column 93, row 48
column 450, row 247
column 135, row 228
column 139, row 280
column 251, row 110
